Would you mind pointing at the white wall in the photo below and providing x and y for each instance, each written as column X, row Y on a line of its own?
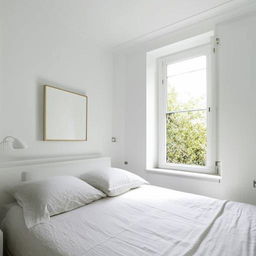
column 236, row 110
column 118, row 109
column 1, row 61
column 37, row 50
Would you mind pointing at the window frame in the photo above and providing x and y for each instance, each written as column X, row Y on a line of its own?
column 206, row 50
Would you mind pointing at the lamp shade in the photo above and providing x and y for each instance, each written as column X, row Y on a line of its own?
column 18, row 144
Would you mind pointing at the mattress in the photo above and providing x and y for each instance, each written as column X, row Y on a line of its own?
column 142, row 222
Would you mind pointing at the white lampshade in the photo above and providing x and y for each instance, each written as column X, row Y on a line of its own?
column 18, row 144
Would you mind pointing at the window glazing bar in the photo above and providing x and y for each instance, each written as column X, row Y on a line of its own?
column 188, row 72
column 182, row 111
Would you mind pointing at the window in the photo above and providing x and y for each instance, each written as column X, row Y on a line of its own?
column 186, row 120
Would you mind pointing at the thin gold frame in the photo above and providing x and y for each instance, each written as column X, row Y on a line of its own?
column 45, row 123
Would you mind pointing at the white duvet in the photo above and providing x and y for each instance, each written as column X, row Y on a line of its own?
column 143, row 222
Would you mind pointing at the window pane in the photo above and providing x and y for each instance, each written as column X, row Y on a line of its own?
column 186, row 85
column 186, row 138
column 186, row 66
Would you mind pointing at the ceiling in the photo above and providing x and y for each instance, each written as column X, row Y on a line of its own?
column 114, row 22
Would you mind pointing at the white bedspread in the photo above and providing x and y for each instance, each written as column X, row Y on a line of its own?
column 143, row 222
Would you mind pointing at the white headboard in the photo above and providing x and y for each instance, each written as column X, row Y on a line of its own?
column 11, row 173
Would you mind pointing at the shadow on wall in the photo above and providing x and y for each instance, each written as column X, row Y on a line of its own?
column 39, row 118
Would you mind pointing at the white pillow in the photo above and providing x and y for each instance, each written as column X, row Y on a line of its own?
column 113, row 181
column 44, row 198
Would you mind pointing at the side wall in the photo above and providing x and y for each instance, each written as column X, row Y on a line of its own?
column 236, row 110
column 37, row 50
column 1, row 61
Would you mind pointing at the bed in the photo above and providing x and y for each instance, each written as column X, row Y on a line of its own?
column 145, row 221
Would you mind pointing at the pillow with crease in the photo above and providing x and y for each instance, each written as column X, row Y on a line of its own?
column 44, row 198
column 113, row 181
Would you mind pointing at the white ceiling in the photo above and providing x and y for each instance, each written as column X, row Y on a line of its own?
column 114, row 22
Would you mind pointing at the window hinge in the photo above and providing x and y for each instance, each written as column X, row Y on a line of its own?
column 162, row 81
column 218, row 167
column 217, row 42
column 209, row 109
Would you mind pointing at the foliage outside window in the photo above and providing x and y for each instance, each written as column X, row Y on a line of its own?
column 186, row 135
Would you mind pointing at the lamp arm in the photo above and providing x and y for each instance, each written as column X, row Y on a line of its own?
column 13, row 142
column 7, row 138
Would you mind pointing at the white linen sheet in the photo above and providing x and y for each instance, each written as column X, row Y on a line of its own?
column 143, row 222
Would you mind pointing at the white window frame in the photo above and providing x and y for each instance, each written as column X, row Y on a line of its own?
column 206, row 50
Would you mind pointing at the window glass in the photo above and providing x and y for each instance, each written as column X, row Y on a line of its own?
column 186, row 84
column 186, row 138
column 186, row 114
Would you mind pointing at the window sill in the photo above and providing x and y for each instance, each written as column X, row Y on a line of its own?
column 203, row 176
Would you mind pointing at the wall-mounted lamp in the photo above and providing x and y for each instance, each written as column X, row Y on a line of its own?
column 12, row 143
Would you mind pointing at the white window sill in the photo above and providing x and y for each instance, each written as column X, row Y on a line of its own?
column 203, row 176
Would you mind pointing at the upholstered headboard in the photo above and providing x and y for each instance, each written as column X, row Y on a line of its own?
column 11, row 173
